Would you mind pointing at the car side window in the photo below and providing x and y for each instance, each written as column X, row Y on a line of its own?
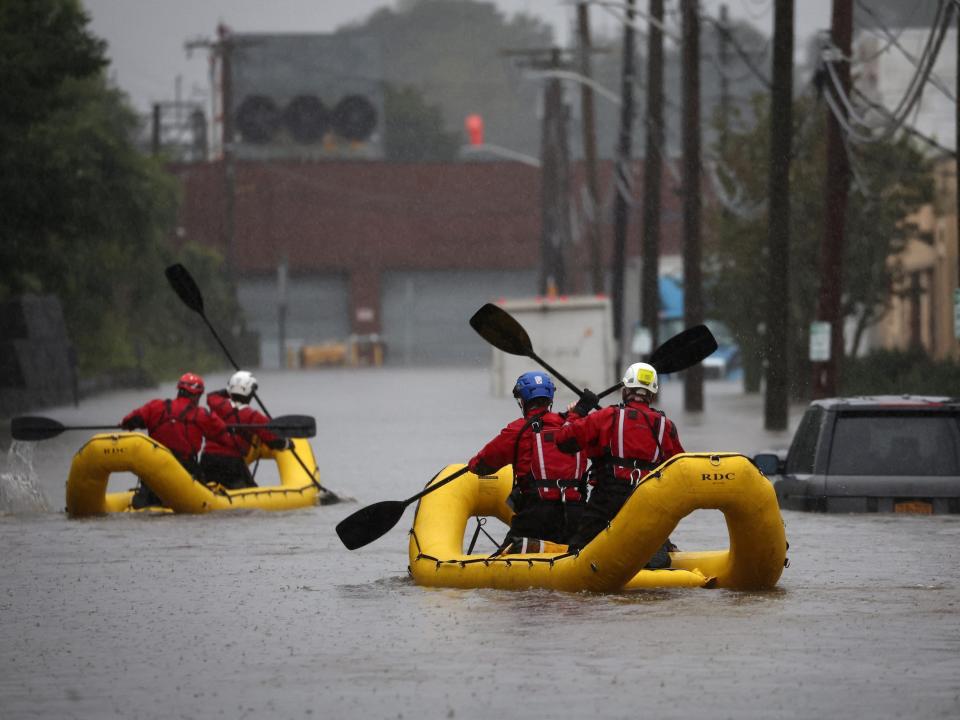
column 891, row 443
column 803, row 449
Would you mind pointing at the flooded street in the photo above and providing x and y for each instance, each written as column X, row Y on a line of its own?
column 263, row 615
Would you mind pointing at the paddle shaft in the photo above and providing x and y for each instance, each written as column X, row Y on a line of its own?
column 199, row 310
column 33, row 429
column 536, row 358
column 226, row 352
column 87, row 427
column 674, row 357
column 436, row 486
column 374, row 521
column 293, row 451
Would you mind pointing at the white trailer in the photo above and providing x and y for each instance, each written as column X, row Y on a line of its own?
column 572, row 334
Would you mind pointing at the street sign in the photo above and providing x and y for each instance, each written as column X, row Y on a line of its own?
column 819, row 341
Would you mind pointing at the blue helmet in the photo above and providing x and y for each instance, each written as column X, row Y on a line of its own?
column 533, row 385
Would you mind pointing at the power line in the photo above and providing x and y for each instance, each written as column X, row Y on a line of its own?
column 762, row 15
column 611, row 9
column 744, row 55
column 894, row 40
column 891, row 38
column 906, row 127
column 859, row 127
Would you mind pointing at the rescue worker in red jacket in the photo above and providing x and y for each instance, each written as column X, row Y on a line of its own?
column 548, row 488
column 180, row 425
column 224, row 458
column 633, row 437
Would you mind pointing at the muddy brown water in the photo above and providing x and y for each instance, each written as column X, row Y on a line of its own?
column 258, row 615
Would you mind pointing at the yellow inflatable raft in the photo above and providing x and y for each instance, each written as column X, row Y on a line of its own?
column 181, row 493
column 613, row 561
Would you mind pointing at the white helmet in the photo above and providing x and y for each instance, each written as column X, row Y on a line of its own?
column 643, row 376
column 242, row 383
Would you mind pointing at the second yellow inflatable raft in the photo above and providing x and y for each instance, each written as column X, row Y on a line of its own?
column 105, row 454
column 613, row 561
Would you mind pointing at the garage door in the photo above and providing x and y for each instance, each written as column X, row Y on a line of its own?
column 317, row 310
column 425, row 314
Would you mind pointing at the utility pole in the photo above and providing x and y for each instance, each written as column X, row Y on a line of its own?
column 652, row 173
column 692, row 272
column 723, row 27
column 222, row 49
column 623, row 178
column 556, row 235
column 554, row 185
column 282, row 272
column 229, row 164
column 594, row 241
column 156, row 126
column 836, row 186
column 778, row 225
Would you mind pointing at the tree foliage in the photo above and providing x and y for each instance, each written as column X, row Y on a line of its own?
column 83, row 214
column 891, row 181
column 452, row 54
column 414, row 130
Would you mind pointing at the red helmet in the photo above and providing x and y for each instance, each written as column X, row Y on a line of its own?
column 190, row 383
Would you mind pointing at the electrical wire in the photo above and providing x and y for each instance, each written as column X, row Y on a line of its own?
column 894, row 40
column 738, row 48
column 906, row 127
column 736, row 202
column 858, row 127
column 611, row 9
column 762, row 15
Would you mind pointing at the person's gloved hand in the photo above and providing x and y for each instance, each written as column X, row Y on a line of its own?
column 587, row 402
column 280, row 444
column 134, row 423
column 479, row 467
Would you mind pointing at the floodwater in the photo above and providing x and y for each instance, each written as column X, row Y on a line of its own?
column 258, row 615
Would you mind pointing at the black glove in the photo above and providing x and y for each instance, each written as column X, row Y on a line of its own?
column 587, row 402
column 134, row 423
column 280, row 444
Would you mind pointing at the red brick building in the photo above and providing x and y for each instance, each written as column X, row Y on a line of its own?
column 407, row 251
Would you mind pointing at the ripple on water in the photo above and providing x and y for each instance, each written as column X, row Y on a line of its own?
column 20, row 491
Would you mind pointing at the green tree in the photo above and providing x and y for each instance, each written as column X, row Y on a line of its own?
column 414, row 130
column 452, row 53
column 892, row 180
column 82, row 213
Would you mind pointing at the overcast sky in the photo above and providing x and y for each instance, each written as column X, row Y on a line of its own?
column 146, row 37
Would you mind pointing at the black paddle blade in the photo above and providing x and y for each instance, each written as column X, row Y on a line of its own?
column 288, row 426
column 184, row 286
column 369, row 523
column 684, row 350
column 35, row 428
column 498, row 328
column 293, row 426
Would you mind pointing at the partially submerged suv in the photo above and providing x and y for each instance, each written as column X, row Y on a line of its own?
column 872, row 454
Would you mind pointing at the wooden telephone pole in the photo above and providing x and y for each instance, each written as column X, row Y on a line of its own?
column 836, row 186
column 692, row 251
column 652, row 173
column 555, row 184
column 594, row 238
column 222, row 49
column 778, row 225
column 623, row 178
column 556, row 235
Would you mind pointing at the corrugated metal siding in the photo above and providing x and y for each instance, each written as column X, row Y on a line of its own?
column 317, row 310
column 425, row 314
